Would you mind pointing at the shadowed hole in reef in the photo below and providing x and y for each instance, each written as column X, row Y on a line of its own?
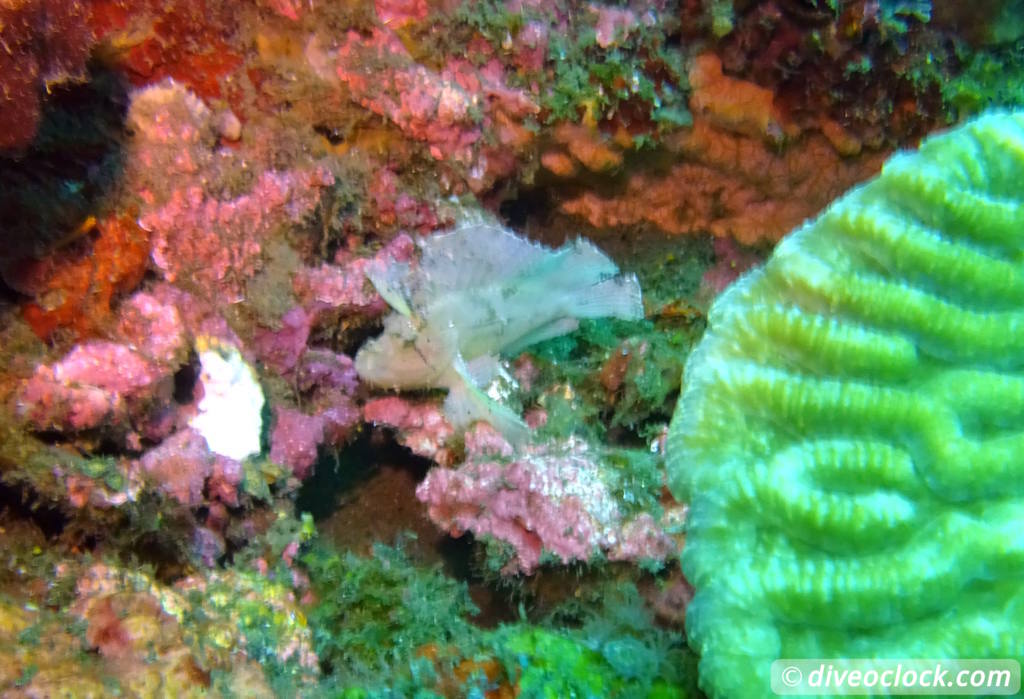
column 529, row 209
column 23, row 503
column 367, row 495
column 185, row 379
column 73, row 162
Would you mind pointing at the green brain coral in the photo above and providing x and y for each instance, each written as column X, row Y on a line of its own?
column 851, row 433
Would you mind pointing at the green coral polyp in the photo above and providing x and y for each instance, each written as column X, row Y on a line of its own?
column 851, row 431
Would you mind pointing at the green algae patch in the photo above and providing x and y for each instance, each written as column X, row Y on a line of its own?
column 616, row 380
column 605, row 646
column 611, row 375
column 386, row 627
column 638, row 75
column 991, row 78
column 373, row 613
column 553, row 665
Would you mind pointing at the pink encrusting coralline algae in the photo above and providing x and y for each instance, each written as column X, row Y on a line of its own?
column 180, row 466
column 549, row 500
column 419, row 425
column 731, row 261
column 388, row 204
column 173, row 134
column 122, row 390
column 328, row 381
column 97, row 383
column 123, row 386
column 450, row 111
column 214, row 245
column 345, row 288
column 281, row 348
column 154, row 327
column 295, row 439
column 395, row 13
column 612, row 24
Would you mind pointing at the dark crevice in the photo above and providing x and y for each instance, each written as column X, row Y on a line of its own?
column 185, row 380
column 76, row 158
column 23, row 503
column 337, row 476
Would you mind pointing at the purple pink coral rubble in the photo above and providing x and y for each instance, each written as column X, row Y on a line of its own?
column 549, row 500
column 450, row 111
column 420, row 425
column 215, row 245
column 97, row 383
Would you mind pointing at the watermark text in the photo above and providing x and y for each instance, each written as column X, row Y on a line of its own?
column 861, row 676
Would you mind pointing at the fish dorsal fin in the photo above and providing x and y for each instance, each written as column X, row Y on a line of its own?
column 391, row 280
column 476, row 255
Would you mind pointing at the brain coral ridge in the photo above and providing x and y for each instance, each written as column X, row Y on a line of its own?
column 851, row 431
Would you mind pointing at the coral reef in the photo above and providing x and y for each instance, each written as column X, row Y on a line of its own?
column 991, row 79
column 376, row 612
column 126, row 633
column 882, row 63
column 181, row 464
column 560, row 665
column 189, row 41
column 734, row 105
column 207, row 209
column 848, row 437
column 347, row 288
column 124, row 386
column 421, row 426
column 728, row 179
column 74, row 287
column 327, row 383
column 619, row 377
column 618, row 69
column 121, row 394
column 211, row 247
column 551, row 503
column 424, row 641
column 987, row 22
column 731, row 261
column 97, row 383
column 46, row 42
column 449, row 111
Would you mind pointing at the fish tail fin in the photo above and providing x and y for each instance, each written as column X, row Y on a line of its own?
column 592, row 283
column 616, row 297
column 579, row 263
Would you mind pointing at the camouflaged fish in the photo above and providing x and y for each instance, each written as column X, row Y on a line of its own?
column 475, row 294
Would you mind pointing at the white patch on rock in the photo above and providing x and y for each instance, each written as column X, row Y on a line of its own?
column 230, row 411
